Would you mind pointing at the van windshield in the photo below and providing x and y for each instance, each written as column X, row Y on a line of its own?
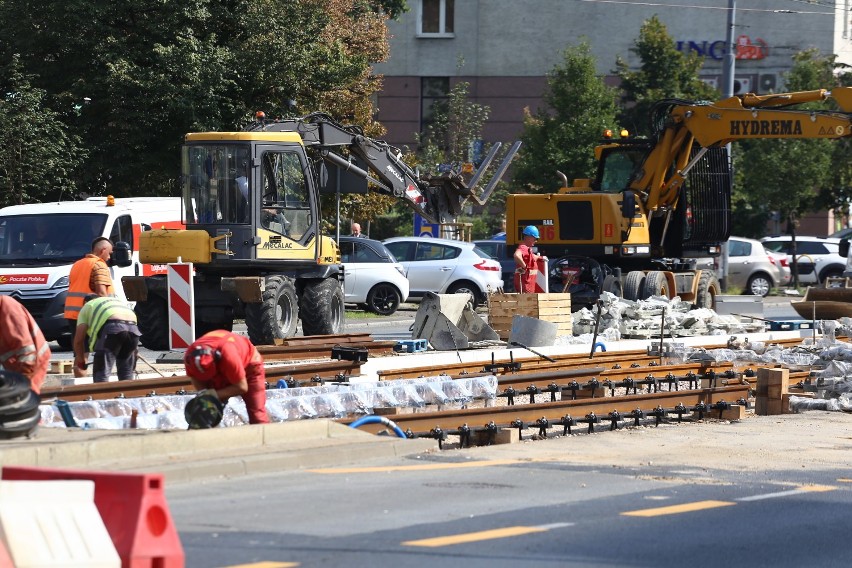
column 54, row 238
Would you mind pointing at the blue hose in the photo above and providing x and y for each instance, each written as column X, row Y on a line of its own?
column 601, row 345
column 373, row 419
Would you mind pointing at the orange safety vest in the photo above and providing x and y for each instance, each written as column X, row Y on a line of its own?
column 79, row 285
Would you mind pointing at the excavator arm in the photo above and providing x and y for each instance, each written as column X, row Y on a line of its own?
column 682, row 124
column 439, row 199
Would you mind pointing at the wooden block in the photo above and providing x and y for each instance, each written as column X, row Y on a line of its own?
column 761, row 408
column 775, row 392
column 777, row 377
column 735, row 412
column 501, row 436
column 63, row 367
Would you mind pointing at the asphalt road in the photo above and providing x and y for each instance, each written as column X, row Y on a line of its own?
column 448, row 509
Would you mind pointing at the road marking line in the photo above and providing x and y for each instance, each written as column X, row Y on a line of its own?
column 421, row 467
column 844, row 480
column 797, row 491
column 266, row 565
column 482, row 535
column 676, row 509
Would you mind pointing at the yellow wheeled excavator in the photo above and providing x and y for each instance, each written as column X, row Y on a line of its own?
column 657, row 204
column 251, row 209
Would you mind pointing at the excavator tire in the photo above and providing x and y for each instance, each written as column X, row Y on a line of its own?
column 152, row 317
column 633, row 284
column 708, row 289
column 321, row 307
column 277, row 315
column 655, row 285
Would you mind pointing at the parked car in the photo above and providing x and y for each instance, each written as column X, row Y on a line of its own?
column 372, row 277
column 754, row 269
column 445, row 266
column 818, row 257
column 497, row 250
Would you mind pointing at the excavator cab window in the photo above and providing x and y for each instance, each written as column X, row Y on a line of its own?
column 216, row 183
column 618, row 166
column 286, row 205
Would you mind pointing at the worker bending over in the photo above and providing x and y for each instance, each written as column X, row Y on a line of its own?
column 107, row 327
column 229, row 365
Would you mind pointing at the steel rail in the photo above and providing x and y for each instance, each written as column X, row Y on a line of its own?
column 309, row 373
column 509, row 416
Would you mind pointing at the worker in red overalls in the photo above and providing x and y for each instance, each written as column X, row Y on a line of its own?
column 226, row 364
column 527, row 262
column 22, row 345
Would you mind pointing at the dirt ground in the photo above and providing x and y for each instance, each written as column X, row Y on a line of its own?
column 813, row 439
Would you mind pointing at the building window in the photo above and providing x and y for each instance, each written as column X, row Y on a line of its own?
column 437, row 18
column 433, row 92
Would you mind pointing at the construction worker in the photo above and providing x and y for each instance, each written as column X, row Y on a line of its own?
column 107, row 327
column 224, row 364
column 22, row 345
column 89, row 275
column 526, row 262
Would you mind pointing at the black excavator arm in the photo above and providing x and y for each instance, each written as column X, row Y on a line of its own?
column 439, row 198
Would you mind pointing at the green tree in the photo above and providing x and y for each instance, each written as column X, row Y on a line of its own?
column 578, row 107
column 663, row 73
column 144, row 73
column 38, row 157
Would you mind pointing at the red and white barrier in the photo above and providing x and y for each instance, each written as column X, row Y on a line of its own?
column 181, row 305
column 131, row 509
column 541, row 286
column 52, row 524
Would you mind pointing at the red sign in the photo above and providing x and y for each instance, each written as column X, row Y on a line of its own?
column 607, row 229
column 22, row 279
column 748, row 50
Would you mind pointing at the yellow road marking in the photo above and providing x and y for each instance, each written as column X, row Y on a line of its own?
column 422, row 467
column 266, row 565
column 676, row 509
column 844, row 480
column 474, row 536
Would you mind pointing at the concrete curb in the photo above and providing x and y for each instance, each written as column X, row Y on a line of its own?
column 196, row 455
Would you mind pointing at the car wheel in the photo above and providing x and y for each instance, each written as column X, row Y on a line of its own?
column 759, row 284
column 468, row 287
column 383, row 299
column 830, row 272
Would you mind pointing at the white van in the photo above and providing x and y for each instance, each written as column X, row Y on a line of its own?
column 39, row 242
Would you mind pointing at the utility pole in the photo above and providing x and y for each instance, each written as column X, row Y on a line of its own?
column 728, row 69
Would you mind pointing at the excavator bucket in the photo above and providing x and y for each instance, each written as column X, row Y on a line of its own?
column 448, row 322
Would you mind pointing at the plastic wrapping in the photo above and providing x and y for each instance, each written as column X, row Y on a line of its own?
column 326, row 401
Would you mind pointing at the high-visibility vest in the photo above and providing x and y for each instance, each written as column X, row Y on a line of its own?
column 79, row 281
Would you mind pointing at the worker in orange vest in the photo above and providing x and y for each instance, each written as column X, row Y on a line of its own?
column 22, row 345
column 527, row 262
column 89, row 275
column 223, row 364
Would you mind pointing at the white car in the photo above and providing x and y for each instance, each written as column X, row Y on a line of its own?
column 371, row 276
column 818, row 257
column 445, row 266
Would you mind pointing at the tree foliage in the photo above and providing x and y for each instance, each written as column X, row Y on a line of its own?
column 562, row 135
column 143, row 73
column 663, row 73
column 39, row 156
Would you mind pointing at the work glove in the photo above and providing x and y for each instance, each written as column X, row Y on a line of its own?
column 208, row 392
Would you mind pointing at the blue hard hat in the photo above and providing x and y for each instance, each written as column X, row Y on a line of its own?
column 531, row 231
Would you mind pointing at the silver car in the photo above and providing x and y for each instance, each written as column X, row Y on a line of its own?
column 445, row 266
column 753, row 268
